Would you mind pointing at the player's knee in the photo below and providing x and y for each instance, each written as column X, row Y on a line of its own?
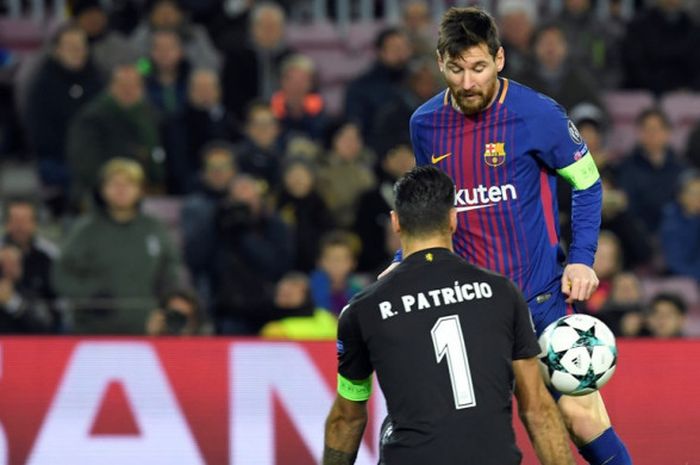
column 585, row 418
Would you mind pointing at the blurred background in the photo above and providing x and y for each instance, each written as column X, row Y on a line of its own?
column 204, row 167
column 225, row 167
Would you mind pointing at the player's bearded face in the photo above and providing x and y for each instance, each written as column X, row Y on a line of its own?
column 472, row 78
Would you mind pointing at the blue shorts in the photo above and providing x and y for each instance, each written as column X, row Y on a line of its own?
column 547, row 307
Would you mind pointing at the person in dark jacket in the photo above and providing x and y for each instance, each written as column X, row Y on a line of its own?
column 554, row 74
column 661, row 51
column 380, row 84
column 255, row 251
column 198, row 216
column 680, row 229
column 65, row 82
column 117, row 123
column 649, row 174
column 260, row 153
column 252, row 72
column 206, row 117
column 304, row 211
column 374, row 208
column 167, row 75
column 27, row 298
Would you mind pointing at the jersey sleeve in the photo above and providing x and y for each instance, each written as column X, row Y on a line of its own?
column 420, row 150
column 524, row 341
column 354, row 366
column 560, row 146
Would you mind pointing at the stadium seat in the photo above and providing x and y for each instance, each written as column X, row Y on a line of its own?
column 21, row 34
column 687, row 288
column 167, row 210
column 623, row 107
column 316, row 35
column 683, row 108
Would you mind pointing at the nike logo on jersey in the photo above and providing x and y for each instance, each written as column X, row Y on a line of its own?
column 435, row 159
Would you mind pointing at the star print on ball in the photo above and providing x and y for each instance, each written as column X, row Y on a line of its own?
column 578, row 355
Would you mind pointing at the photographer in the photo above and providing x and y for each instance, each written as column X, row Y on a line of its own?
column 255, row 251
column 178, row 315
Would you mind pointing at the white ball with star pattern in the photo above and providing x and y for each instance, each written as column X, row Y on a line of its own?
column 578, row 354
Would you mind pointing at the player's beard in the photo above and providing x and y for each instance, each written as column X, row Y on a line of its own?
column 470, row 102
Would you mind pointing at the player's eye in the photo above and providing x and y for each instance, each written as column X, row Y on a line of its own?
column 455, row 69
column 479, row 69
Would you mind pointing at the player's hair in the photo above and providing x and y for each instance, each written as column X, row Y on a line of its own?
column 424, row 197
column 462, row 28
column 674, row 299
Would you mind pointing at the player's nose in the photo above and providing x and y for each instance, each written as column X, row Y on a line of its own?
column 467, row 82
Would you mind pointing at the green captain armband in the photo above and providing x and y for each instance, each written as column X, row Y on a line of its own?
column 355, row 390
column 581, row 174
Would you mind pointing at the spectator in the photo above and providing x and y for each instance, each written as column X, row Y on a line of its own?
column 117, row 260
column 666, row 317
column 624, row 310
column 167, row 14
column 420, row 28
column 198, row 216
column 296, row 316
column 680, row 229
column 390, row 124
column 607, row 264
column 166, row 87
column 554, row 74
column 177, row 315
column 298, row 109
column 517, row 20
column 660, row 49
column 27, row 296
column 108, row 48
column 206, row 117
column 252, row 72
column 260, row 154
column 592, row 42
column 65, row 81
column 649, row 174
column 346, row 172
column 255, row 251
column 117, row 123
column 380, row 84
column 229, row 27
column 303, row 210
column 375, row 205
column 333, row 283
column 634, row 237
column 592, row 124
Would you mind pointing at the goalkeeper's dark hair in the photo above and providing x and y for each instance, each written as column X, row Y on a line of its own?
column 462, row 28
column 423, row 199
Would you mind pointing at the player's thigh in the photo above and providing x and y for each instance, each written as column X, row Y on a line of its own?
column 585, row 416
column 547, row 308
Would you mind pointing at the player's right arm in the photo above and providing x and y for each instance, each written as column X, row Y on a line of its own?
column 540, row 415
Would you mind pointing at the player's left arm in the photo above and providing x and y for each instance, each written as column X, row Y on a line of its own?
column 344, row 428
column 348, row 416
column 567, row 153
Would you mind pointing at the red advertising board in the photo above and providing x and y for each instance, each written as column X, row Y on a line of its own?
column 73, row 401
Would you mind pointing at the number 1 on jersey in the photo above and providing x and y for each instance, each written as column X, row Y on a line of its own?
column 448, row 341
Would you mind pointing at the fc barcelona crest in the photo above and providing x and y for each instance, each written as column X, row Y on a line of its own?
column 495, row 153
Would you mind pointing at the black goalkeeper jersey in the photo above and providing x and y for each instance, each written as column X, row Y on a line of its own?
column 441, row 335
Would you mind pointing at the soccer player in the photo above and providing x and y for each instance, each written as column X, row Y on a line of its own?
column 446, row 339
column 504, row 144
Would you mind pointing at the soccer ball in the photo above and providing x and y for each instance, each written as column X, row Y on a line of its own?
column 578, row 354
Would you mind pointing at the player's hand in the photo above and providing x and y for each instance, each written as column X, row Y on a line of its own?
column 578, row 282
column 388, row 270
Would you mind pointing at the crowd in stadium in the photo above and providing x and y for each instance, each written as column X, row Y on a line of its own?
column 194, row 178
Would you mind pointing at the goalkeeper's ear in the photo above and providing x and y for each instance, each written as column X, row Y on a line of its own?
column 395, row 225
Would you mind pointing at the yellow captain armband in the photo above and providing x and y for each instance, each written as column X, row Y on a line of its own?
column 355, row 390
column 581, row 174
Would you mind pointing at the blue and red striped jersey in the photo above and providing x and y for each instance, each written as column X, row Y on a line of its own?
column 503, row 162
